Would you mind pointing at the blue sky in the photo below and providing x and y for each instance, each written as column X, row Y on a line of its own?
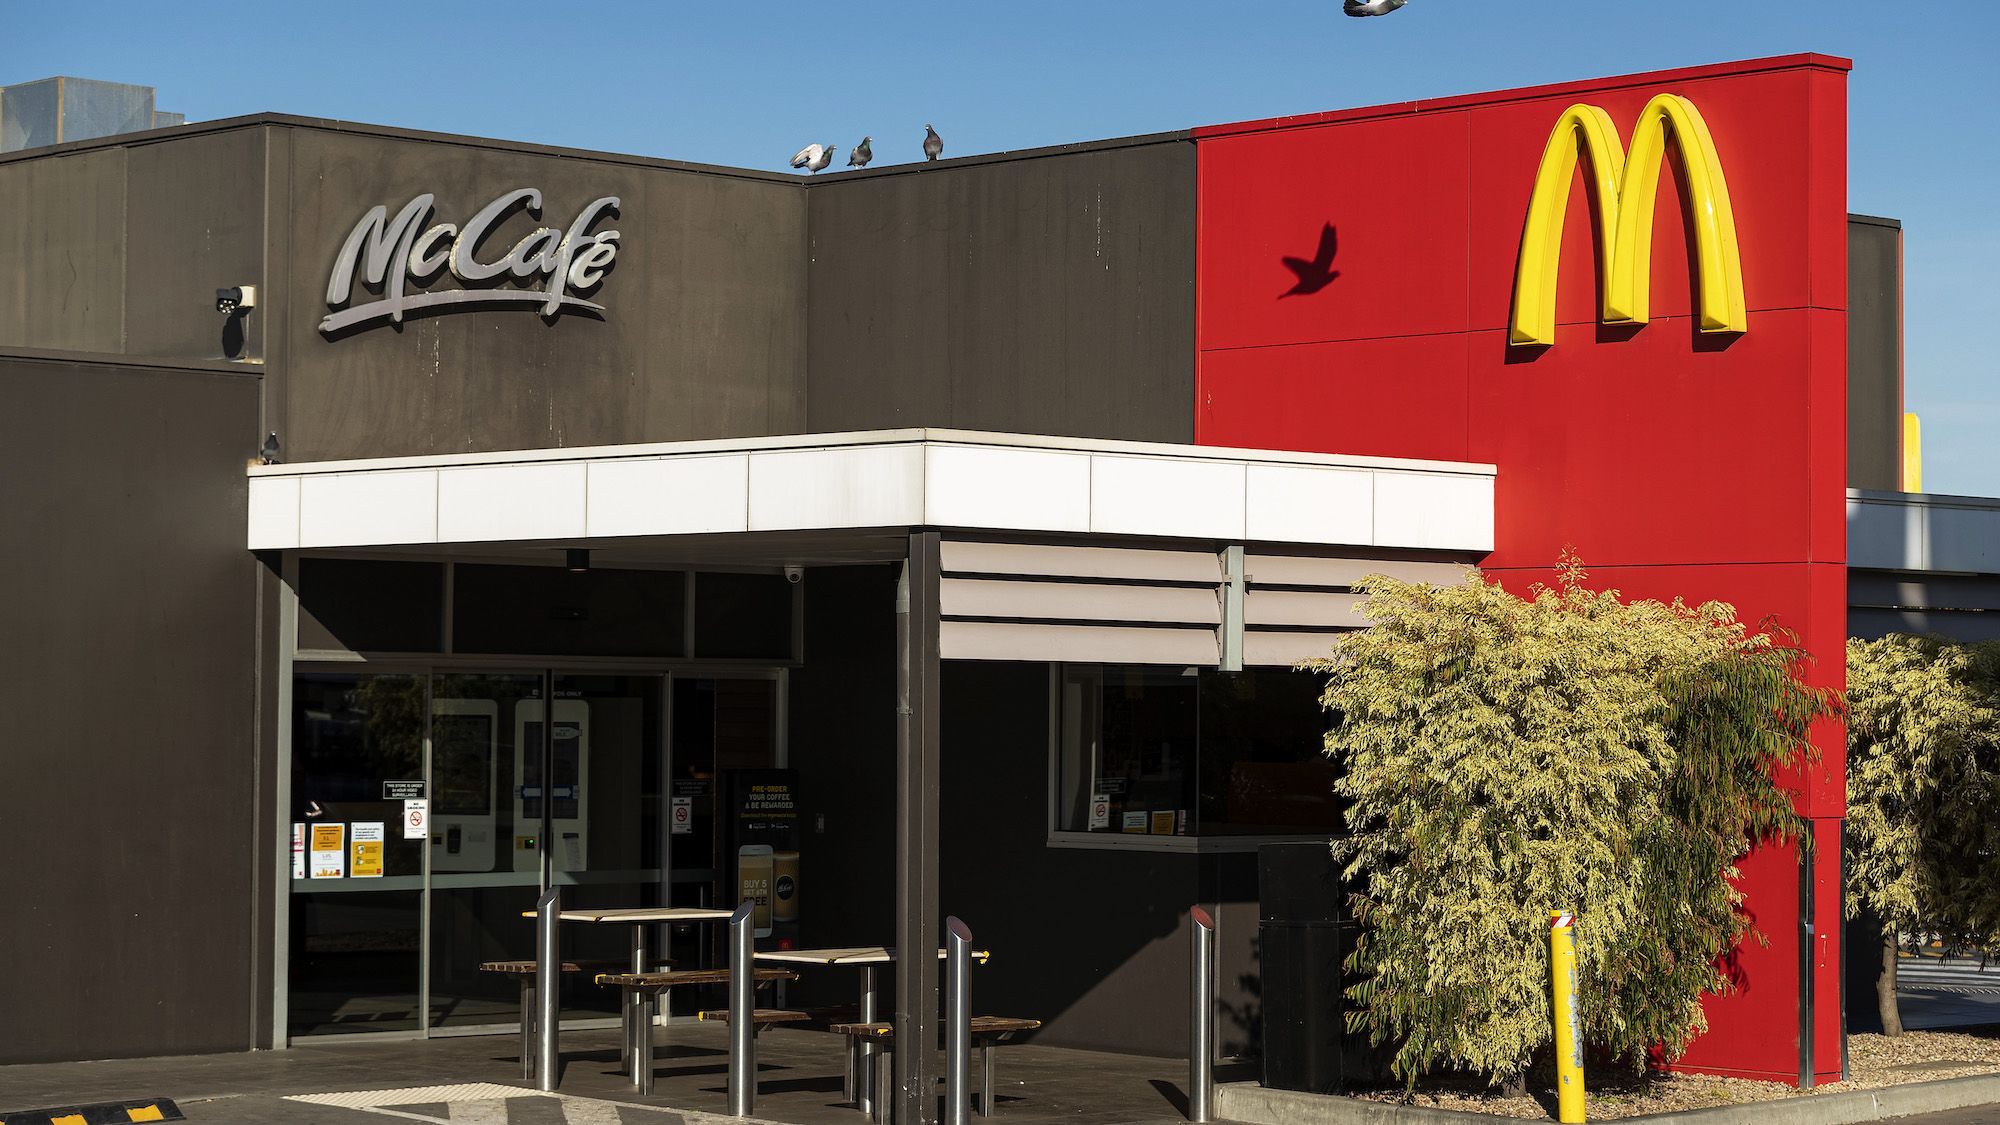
column 748, row 84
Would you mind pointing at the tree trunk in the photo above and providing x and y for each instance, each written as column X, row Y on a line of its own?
column 1885, row 988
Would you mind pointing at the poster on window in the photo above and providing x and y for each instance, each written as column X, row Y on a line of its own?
column 367, row 850
column 764, row 838
column 328, row 859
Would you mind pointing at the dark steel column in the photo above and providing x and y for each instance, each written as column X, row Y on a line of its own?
column 915, row 1099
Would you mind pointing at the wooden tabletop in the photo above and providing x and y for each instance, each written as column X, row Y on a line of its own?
column 852, row 955
column 638, row 915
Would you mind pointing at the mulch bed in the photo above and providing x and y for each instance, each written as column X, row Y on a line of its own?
column 1873, row 1061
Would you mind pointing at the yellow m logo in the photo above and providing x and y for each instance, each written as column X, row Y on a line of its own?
column 1624, row 191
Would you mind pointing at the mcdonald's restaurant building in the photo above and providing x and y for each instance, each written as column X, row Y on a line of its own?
column 920, row 540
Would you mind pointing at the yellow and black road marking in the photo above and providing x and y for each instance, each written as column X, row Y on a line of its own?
column 101, row 1113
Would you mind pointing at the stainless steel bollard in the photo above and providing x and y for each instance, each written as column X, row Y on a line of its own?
column 548, row 987
column 1201, row 1018
column 957, row 1022
column 742, row 1010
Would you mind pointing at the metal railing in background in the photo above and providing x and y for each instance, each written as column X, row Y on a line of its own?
column 957, row 1022
column 548, row 986
column 1201, row 1017
column 742, row 1011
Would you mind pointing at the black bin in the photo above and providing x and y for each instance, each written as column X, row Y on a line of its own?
column 1303, row 936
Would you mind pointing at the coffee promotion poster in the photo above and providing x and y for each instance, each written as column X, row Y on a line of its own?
column 764, row 838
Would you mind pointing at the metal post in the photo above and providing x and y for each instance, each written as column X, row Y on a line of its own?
column 865, row 1053
column 1201, row 1018
column 548, row 754
column 957, row 1022
column 638, row 1008
column 912, row 1060
column 548, row 981
column 1569, row 1019
column 742, row 1010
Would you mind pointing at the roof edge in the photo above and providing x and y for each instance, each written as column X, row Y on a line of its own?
column 252, row 369
column 1804, row 61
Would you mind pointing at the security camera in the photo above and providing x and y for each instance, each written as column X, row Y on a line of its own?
column 235, row 299
column 795, row 574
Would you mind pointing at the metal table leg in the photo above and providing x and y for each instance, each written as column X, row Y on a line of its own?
column 642, row 1051
column 528, row 1027
column 864, row 1066
column 986, row 1078
column 638, row 1012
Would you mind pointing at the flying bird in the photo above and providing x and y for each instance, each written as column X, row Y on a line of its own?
column 1318, row 273
column 1372, row 7
column 861, row 155
column 268, row 455
column 933, row 144
column 813, row 157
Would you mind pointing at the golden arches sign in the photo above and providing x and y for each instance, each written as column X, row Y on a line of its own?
column 1625, row 189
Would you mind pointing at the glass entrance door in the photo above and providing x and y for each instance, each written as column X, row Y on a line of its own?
column 721, row 724
column 356, row 920
column 388, row 930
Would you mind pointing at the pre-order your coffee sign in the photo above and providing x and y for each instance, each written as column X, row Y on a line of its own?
column 398, row 256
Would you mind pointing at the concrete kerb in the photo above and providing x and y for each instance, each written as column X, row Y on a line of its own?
column 1250, row 1103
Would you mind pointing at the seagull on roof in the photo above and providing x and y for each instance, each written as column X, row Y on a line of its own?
column 861, row 154
column 1372, row 7
column 933, row 144
column 813, row 157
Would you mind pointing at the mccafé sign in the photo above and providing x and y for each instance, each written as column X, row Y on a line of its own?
column 1626, row 185
column 397, row 255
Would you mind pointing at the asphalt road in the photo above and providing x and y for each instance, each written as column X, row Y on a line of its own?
column 1977, row 1115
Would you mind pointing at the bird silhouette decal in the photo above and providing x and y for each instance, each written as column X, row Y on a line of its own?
column 1318, row 273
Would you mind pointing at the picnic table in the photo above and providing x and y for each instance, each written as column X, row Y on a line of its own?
column 867, row 958
column 635, row 1015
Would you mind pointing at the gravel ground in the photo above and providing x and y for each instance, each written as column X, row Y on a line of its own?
column 1873, row 1060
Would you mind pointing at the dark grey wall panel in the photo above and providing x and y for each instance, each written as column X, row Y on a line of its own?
column 1874, row 353
column 128, row 717
column 1050, row 295
column 1093, row 943
column 703, row 333
column 62, row 242
column 194, row 223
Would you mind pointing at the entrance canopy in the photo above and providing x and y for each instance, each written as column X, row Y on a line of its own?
column 1052, row 548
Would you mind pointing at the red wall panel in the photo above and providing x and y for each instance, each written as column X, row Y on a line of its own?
column 1675, row 463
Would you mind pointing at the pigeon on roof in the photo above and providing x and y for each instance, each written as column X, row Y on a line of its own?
column 269, row 453
column 861, row 155
column 813, row 157
column 933, row 144
column 1372, row 7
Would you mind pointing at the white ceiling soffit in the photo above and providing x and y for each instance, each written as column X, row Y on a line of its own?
column 898, row 478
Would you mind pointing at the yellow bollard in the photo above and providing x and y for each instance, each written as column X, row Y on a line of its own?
column 1569, row 1033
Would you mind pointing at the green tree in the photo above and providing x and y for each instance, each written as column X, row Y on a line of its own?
column 1503, row 756
column 1923, row 794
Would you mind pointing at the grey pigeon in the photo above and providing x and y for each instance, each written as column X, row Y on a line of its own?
column 1372, row 7
column 269, row 453
column 813, row 157
column 861, row 155
column 933, row 144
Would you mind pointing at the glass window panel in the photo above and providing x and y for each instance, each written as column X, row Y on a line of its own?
column 367, row 605
column 742, row 615
column 355, row 929
column 1150, row 751
column 547, row 610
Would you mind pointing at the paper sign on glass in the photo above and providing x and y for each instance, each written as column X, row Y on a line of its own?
column 329, row 851
column 367, row 850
